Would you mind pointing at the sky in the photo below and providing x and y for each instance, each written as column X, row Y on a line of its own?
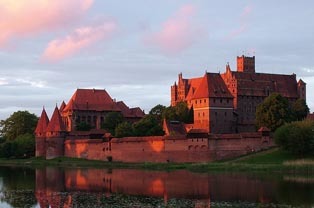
column 136, row 49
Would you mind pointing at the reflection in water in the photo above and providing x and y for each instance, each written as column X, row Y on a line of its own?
column 57, row 187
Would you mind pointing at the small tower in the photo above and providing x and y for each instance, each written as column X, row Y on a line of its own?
column 174, row 94
column 302, row 89
column 40, row 134
column 55, row 135
column 246, row 64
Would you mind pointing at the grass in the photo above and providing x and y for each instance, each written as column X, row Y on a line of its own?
column 273, row 160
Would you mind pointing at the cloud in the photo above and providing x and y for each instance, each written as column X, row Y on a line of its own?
column 178, row 33
column 244, row 17
column 37, row 84
column 3, row 81
column 83, row 37
column 25, row 18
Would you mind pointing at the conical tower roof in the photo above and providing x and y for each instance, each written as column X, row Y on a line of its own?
column 56, row 124
column 42, row 123
column 62, row 106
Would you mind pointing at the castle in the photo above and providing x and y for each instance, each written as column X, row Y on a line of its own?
column 224, row 108
column 86, row 106
column 226, row 103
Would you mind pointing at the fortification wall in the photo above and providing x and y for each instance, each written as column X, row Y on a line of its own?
column 168, row 149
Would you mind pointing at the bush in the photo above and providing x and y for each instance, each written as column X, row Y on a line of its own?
column 124, row 130
column 23, row 146
column 296, row 137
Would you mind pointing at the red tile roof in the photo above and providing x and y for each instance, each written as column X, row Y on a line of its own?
column 212, row 85
column 263, row 128
column 125, row 110
column 193, row 83
column 62, row 106
column 130, row 112
column 91, row 99
column 42, row 123
column 56, row 124
column 137, row 112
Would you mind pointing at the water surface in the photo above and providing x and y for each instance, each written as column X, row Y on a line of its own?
column 86, row 187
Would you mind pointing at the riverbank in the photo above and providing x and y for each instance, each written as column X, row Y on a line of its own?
column 274, row 160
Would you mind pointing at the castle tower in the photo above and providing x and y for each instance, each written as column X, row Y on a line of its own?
column 246, row 64
column 174, row 94
column 302, row 89
column 40, row 134
column 55, row 135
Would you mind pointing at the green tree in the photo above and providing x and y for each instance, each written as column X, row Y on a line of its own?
column 25, row 146
column 273, row 112
column 300, row 109
column 170, row 114
column 183, row 112
column 148, row 126
column 7, row 149
column 20, row 122
column 112, row 120
column 180, row 112
column 83, row 126
column 158, row 111
column 296, row 137
column 124, row 130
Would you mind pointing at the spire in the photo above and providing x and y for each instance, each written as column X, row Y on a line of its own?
column 42, row 123
column 228, row 67
column 62, row 106
column 56, row 124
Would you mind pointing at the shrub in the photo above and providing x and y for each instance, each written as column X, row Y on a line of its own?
column 296, row 137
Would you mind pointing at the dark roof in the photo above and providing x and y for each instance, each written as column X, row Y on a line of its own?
column 256, row 84
column 174, row 128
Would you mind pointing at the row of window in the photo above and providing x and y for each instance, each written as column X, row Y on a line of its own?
column 214, row 100
column 216, row 114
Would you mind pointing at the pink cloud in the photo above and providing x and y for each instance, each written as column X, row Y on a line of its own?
column 81, row 38
column 24, row 18
column 244, row 18
column 177, row 33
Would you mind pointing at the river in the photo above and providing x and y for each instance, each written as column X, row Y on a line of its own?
column 88, row 187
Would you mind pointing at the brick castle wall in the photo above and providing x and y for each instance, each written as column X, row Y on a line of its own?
column 168, row 148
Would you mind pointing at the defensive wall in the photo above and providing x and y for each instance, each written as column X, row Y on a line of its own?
column 168, row 148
